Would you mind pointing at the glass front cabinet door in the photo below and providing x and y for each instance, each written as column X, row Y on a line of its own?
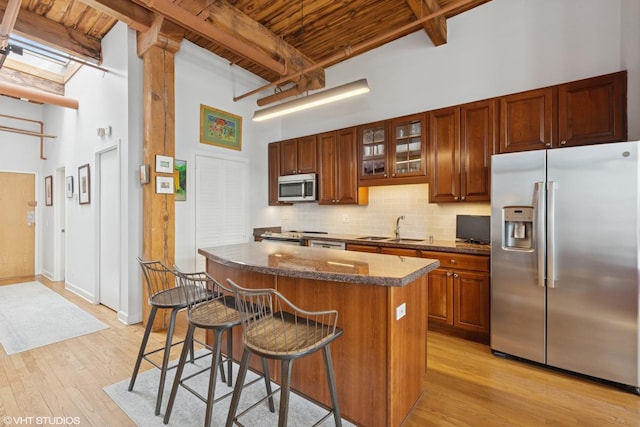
column 373, row 151
column 408, row 147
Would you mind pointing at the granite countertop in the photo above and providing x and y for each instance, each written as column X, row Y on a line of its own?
column 321, row 264
column 424, row 245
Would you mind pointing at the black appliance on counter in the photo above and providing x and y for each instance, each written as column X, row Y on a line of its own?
column 473, row 229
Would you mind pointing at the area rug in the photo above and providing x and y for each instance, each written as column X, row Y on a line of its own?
column 32, row 315
column 188, row 410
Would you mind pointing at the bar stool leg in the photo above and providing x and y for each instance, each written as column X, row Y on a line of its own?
column 237, row 390
column 143, row 346
column 229, row 356
column 215, row 361
column 285, row 387
column 176, row 382
column 328, row 364
column 267, row 383
column 165, row 359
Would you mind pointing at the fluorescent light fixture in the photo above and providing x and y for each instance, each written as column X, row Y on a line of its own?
column 319, row 98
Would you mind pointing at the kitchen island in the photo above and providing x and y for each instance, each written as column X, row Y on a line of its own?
column 380, row 360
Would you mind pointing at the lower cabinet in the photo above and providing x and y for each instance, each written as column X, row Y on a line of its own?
column 458, row 301
column 458, row 298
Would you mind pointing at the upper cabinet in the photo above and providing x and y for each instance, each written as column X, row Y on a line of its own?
column 337, row 174
column 583, row 112
column 274, row 171
column 526, row 120
column 298, row 155
column 393, row 151
column 593, row 110
column 462, row 140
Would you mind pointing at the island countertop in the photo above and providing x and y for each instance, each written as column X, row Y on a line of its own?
column 321, row 264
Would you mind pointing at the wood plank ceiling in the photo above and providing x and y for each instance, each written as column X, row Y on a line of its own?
column 284, row 41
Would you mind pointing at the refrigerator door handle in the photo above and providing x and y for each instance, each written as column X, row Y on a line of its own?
column 540, row 208
column 551, row 232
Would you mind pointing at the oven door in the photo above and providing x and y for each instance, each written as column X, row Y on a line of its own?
column 283, row 240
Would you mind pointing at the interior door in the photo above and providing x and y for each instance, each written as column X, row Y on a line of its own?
column 109, row 211
column 17, row 224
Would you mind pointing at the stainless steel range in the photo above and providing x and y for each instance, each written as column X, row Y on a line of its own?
column 288, row 237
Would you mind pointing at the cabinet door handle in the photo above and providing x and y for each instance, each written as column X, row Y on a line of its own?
column 462, row 198
column 448, row 274
column 455, row 197
column 563, row 142
column 453, row 261
column 455, row 275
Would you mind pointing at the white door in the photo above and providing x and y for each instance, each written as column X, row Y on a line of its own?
column 109, row 229
column 221, row 203
column 59, row 204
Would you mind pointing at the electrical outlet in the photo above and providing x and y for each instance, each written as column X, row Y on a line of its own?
column 345, row 218
column 401, row 311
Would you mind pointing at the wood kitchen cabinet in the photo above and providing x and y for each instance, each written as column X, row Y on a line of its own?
column 462, row 140
column 592, row 111
column 298, row 155
column 337, row 169
column 527, row 120
column 273, row 155
column 458, row 297
column 393, row 151
column 583, row 112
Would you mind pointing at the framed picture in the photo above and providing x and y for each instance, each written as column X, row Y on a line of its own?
column 220, row 128
column 164, row 184
column 48, row 190
column 164, row 164
column 180, row 180
column 84, row 185
column 69, row 186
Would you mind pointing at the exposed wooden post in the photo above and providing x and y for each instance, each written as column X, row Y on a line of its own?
column 157, row 47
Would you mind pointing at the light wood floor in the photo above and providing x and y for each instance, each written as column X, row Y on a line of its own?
column 465, row 384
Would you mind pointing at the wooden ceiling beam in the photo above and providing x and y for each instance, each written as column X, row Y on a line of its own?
column 49, row 33
column 9, row 74
column 235, row 23
column 135, row 16
column 435, row 28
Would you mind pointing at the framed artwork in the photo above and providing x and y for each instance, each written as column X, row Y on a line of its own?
column 48, row 190
column 84, row 185
column 164, row 184
column 69, row 186
column 180, row 180
column 164, row 164
column 220, row 128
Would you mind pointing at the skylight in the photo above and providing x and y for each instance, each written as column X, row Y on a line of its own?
column 39, row 56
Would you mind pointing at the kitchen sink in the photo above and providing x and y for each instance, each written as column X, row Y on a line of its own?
column 404, row 240
column 371, row 238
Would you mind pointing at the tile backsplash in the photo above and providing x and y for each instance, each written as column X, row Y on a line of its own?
column 386, row 203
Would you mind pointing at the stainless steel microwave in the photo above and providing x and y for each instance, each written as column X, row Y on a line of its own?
column 297, row 188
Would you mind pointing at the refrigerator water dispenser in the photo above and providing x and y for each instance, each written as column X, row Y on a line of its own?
column 517, row 227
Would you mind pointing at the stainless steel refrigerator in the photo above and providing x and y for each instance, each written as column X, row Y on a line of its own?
column 564, row 259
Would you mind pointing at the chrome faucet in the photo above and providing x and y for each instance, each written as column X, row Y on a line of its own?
column 398, row 226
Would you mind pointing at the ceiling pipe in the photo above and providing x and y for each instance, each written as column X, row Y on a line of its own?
column 186, row 19
column 360, row 47
column 18, row 91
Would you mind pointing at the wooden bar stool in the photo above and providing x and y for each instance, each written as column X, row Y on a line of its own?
column 163, row 294
column 274, row 328
column 212, row 307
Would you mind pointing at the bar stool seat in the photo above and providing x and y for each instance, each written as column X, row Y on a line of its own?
column 216, row 313
column 274, row 328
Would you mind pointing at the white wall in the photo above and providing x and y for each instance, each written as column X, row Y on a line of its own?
column 202, row 78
